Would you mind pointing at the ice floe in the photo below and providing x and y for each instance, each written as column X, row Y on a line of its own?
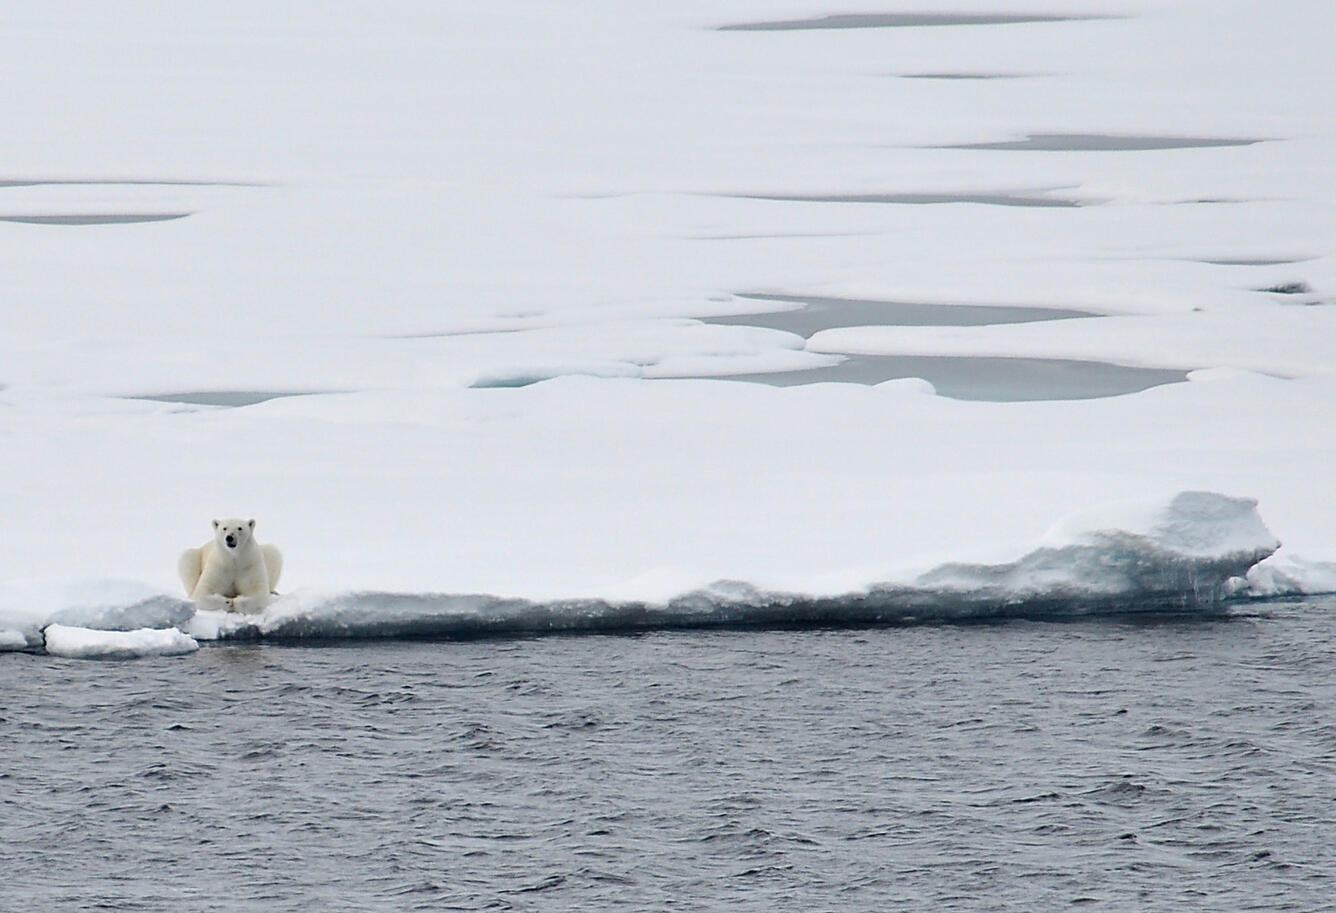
column 88, row 643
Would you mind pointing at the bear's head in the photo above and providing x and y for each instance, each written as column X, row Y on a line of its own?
column 232, row 534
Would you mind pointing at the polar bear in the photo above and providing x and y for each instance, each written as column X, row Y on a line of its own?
column 233, row 572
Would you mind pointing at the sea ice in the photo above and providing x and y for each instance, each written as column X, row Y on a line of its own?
column 13, row 640
column 28, row 605
column 90, row 643
column 490, row 195
column 1186, row 554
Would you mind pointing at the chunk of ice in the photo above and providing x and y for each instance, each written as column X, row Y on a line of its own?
column 92, row 643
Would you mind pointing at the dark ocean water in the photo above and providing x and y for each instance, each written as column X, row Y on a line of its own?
column 1106, row 764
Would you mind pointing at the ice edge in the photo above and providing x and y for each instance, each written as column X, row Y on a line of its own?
column 1189, row 555
column 1196, row 553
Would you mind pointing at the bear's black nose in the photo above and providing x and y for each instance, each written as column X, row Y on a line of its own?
column 231, row 541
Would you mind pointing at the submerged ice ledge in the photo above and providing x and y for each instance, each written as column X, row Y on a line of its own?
column 1189, row 554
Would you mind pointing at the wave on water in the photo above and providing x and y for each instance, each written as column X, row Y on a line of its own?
column 1192, row 554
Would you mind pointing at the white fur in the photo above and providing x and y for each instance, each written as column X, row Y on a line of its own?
column 236, row 578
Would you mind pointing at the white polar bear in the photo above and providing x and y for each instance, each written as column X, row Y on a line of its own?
column 233, row 572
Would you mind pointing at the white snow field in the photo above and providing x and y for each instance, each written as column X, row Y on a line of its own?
column 422, row 287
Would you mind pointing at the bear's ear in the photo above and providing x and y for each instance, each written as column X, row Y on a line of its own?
column 252, row 524
column 215, row 524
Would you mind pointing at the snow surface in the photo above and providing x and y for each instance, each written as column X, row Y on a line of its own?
column 401, row 213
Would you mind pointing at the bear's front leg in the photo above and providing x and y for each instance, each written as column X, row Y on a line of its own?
column 249, row 605
column 213, row 602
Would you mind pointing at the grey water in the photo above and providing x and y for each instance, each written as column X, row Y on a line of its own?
column 1157, row 763
column 983, row 378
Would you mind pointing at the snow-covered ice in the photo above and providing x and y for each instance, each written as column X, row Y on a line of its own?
column 90, row 643
column 429, row 303
column 28, row 605
column 1190, row 553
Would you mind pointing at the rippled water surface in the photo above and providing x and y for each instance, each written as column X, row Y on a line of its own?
column 1163, row 764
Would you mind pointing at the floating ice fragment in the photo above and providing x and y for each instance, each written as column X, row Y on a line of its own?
column 90, row 643
column 13, row 640
column 1290, row 575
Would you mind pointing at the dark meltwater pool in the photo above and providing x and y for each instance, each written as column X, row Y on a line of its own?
column 1041, row 199
column 229, row 398
column 984, row 378
column 898, row 20
column 1165, row 763
column 95, row 218
column 1107, row 142
column 807, row 315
